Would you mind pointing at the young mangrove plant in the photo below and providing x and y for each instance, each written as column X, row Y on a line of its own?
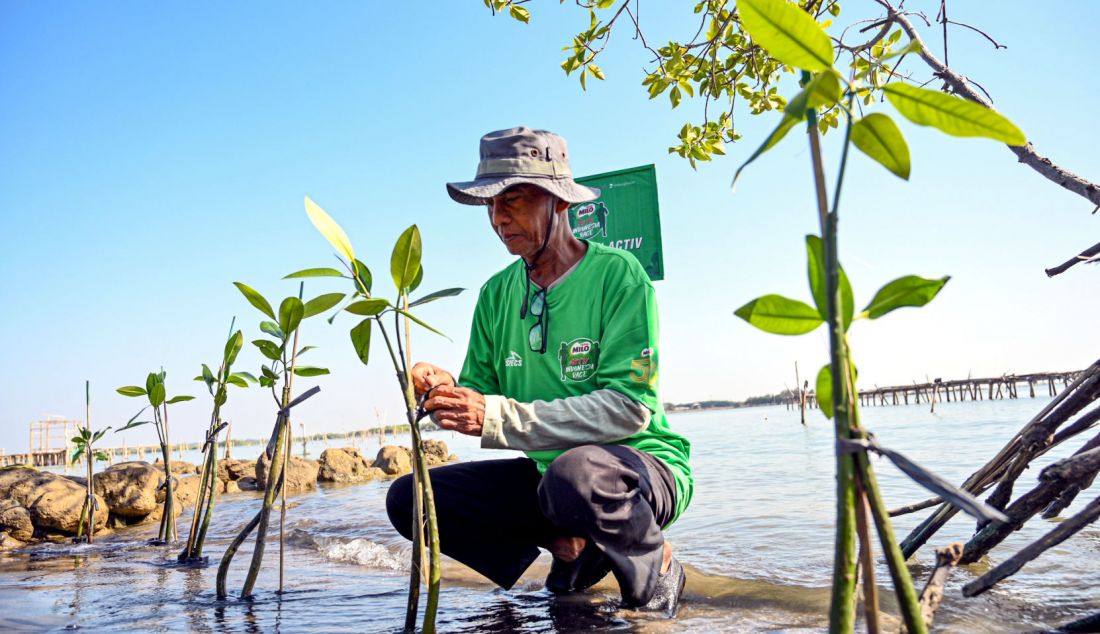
column 216, row 384
column 407, row 273
column 156, row 393
column 793, row 37
column 281, row 352
column 84, row 443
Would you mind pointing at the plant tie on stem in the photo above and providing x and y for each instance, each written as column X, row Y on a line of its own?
column 959, row 498
column 164, row 485
column 308, row 393
column 211, row 436
column 420, row 411
column 285, row 413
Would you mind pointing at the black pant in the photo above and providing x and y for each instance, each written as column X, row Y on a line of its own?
column 495, row 514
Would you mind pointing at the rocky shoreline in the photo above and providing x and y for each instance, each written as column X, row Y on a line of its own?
column 38, row 506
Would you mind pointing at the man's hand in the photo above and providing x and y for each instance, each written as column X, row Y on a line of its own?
column 457, row 408
column 426, row 376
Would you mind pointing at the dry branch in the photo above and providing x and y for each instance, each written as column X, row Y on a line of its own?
column 1064, row 531
column 991, row 472
column 1088, row 255
column 960, row 85
column 1052, row 481
column 946, row 559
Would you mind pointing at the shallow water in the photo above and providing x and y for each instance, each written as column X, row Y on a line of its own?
column 756, row 542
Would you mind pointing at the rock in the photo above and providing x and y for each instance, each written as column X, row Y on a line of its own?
column 344, row 464
column 16, row 522
column 301, row 474
column 436, row 448
column 246, row 484
column 130, row 488
column 178, row 467
column 393, row 460
column 7, row 542
column 52, row 501
column 236, row 469
column 230, row 486
column 187, row 490
column 452, row 458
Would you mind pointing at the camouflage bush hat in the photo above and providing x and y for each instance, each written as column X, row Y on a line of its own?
column 521, row 155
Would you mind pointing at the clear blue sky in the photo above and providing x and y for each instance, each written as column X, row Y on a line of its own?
column 153, row 153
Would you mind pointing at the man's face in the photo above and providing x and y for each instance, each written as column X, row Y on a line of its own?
column 520, row 217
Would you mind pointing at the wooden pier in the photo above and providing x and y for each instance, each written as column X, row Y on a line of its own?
column 947, row 391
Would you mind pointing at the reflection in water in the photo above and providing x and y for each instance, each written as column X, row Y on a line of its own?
column 756, row 542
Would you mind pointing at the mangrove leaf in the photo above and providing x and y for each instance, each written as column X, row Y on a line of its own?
column 779, row 315
column 156, row 395
column 950, row 114
column 368, row 307
column 877, row 136
column 787, row 33
column 815, row 265
column 268, row 349
column 319, row 272
column 431, row 297
column 255, row 299
column 307, row 370
column 360, row 339
column 329, row 229
column 910, row 290
column 291, row 312
column 418, row 321
column 272, row 329
column 232, row 349
column 321, row 303
column 405, row 260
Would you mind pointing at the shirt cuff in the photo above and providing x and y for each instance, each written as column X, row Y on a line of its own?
column 492, row 428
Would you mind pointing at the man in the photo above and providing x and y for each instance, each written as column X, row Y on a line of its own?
column 561, row 364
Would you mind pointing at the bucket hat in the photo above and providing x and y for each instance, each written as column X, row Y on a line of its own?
column 522, row 155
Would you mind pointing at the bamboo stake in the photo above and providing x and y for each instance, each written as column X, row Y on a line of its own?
column 867, row 560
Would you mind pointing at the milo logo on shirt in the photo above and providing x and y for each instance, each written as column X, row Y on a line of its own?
column 579, row 359
column 589, row 220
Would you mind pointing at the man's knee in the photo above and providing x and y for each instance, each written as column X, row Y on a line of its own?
column 399, row 504
column 565, row 492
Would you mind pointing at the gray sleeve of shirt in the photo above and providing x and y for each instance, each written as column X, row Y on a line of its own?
column 598, row 417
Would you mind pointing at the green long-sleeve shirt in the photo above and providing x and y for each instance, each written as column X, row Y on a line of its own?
column 597, row 381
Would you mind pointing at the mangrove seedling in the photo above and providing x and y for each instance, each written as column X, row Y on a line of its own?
column 794, row 38
column 407, row 273
column 84, row 442
column 216, row 384
column 281, row 352
column 156, row 393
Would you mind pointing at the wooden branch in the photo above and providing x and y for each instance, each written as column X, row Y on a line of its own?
column 991, row 472
column 1052, row 481
column 930, row 598
column 1064, row 531
column 960, row 85
column 919, row 506
column 1089, row 254
column 1090, row 623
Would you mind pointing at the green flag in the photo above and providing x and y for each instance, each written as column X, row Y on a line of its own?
column 625, row 216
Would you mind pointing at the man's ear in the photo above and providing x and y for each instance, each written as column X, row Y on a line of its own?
column 561, row 206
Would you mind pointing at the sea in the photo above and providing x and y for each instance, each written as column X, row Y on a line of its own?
column 756, row 542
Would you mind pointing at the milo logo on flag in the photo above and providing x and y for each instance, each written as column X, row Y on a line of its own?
column 589, row 220
column 579, row 359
